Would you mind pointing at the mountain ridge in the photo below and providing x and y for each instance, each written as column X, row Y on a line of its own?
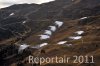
column 75, row 28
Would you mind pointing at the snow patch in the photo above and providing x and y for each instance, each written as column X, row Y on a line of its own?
column 83, row 18
column 24, row 22
column 43, row 37
column 62, row 42
column 53, row 28
column 79, row 32
column 22, row 47
column 76, row 38
column 11, row 14
column 48, row 32
column 39, row 46
column 59, row 23
column 43, row 44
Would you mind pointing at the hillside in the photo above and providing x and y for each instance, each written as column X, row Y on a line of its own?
column 57, row 28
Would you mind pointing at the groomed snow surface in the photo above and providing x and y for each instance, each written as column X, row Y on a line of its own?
column 76, row 37
column 83, row 18
column 43, row 44
column 79, row 32
column 44, row 37
column 53, row 28
column 11, row 14
column 58, row 23
column 24, row 22
column 48, row 32
column 62, row 42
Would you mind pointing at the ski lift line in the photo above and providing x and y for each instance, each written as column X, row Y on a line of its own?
column 31, row 13
column 11, row 24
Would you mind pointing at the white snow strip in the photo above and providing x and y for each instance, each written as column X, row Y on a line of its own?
column 62, row 42
column 43, row 44
column 39, row 46
column 24, row 22
column 83, row 18
column 79, row 32
column 43, row 37
column 11, row 14
column 22, row 47
column 53, row 28
column 76, row 38
column 48, row 32
column 59, row 23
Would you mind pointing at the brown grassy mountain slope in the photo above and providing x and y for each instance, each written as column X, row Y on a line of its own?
column 31, row 20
